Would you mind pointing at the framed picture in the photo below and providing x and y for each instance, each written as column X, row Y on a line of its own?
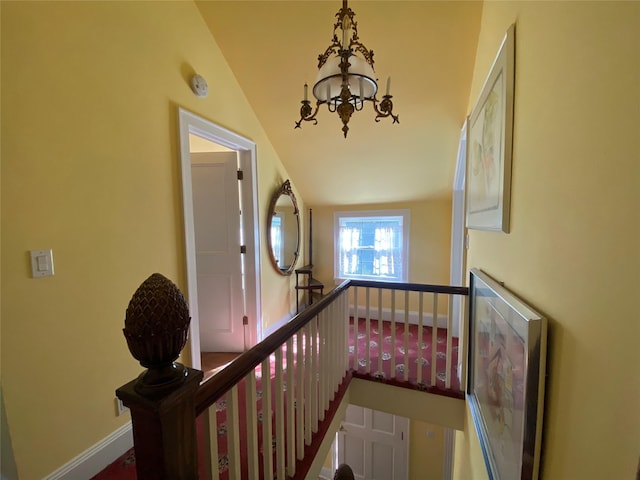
column 507, row 356
column 489, row 145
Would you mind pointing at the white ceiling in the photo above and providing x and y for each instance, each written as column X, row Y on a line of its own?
column 428, row 48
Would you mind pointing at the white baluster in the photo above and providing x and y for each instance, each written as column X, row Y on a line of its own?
column 280, row 416
column 355, row 328
column 267, row 434
column 314, row 375
column 300, row 388
column 329, row 348
column 332, row 352
column 447, row 382
column 252, row 425
column 462, row 345
column 332, row 355
column 344, row 302
column 434, row 339
column 290, row 416
column 233, row 432
column 367, row 331
column 420, row 334
column 213, row 442
column 323, row 358
column 336, row 349
column 308, row 384
column 380, row 335
column 393, row 335
column 406, row 335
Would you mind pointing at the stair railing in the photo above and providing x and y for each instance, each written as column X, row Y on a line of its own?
column 309, row 356
column 279, row 397
column 388, row 312
column 301, row 370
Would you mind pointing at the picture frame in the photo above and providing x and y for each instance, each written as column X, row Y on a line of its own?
column 506, row 383
column 490, row 144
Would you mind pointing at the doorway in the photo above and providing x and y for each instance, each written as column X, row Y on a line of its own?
column 221, row 237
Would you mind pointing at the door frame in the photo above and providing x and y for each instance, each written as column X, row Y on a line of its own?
column 191, row 123
column 458, row 227
column 459, row 245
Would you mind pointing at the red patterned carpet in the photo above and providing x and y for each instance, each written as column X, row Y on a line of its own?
column 419, row 354
column 123, row 468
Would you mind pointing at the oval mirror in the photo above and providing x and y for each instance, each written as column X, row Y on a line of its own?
column 283, row 230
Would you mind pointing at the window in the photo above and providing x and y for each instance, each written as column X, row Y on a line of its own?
column 277, row 229
column 372, row 245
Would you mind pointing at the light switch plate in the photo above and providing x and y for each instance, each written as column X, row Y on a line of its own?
column 41, row 263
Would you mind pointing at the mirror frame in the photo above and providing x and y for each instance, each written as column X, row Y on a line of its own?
column 285, row 189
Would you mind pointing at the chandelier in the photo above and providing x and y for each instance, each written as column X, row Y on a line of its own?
column 346, row 79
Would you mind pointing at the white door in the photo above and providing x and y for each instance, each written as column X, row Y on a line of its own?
column 374, row 444
column 216, row 214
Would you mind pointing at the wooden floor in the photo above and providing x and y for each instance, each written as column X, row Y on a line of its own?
column 213, row 362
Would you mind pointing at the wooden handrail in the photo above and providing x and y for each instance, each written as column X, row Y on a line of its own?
column 412, row 287
column 221, row 383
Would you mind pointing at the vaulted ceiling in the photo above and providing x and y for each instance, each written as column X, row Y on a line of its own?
column 428, row 48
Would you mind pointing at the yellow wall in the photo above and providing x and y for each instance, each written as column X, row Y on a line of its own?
column 429, row 247
column 90, row 168
column 426, row 451
column 573, row 248
column 429, row 239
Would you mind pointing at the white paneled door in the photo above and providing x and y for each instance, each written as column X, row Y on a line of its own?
column 374, row 444
column 216, row 211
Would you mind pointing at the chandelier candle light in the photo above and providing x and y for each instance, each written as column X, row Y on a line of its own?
column 346, row 79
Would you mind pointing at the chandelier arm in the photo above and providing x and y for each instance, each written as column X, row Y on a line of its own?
column 306, row 115
column 366, row 53
column 334, row 47
column 386, row 109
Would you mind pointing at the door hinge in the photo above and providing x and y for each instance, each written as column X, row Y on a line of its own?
column 243, row 249
column 240, row 175
column 245, row 320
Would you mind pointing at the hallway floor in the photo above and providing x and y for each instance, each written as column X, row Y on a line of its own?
column 213, row 362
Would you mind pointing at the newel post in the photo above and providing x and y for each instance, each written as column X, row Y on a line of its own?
column 162, row 398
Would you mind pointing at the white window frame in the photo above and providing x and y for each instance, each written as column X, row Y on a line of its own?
column 406, row 217
column 277, row 242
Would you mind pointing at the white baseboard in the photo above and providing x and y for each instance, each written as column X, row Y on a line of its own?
column 96, row 458
column 276, row 325
column 427, row 318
